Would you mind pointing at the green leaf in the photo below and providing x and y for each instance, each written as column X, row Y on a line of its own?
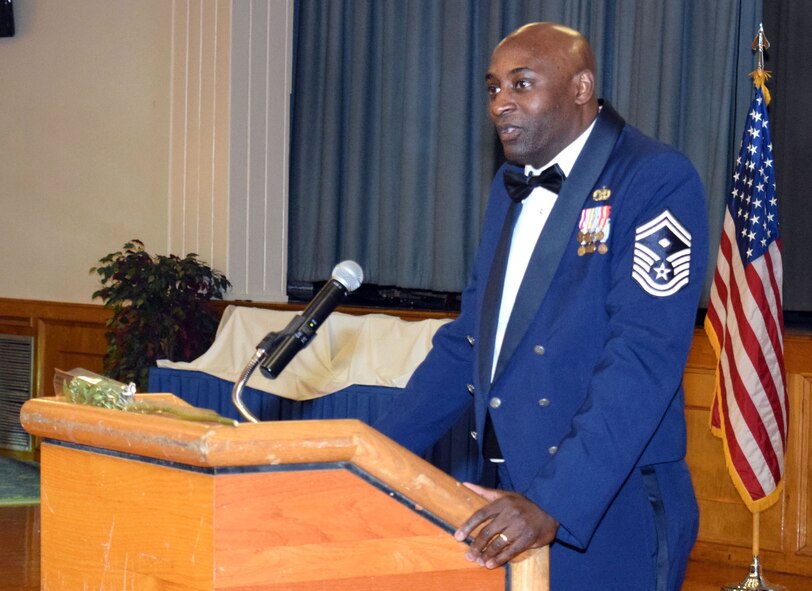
column 159, row 309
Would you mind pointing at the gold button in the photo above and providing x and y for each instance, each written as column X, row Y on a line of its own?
column 471, row 340
column 495, row 402
column 544, row 402
column 553, row 450
column 471, row 389
column 474, row 435
column 538, row 350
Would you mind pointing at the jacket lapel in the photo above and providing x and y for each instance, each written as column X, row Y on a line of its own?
column 558, row 230
column 491, row 297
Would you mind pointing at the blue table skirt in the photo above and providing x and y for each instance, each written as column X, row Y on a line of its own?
column 455, row 453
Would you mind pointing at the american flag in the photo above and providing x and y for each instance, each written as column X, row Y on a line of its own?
column 745, row 322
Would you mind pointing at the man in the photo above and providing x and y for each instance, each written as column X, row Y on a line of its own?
column 574, row 332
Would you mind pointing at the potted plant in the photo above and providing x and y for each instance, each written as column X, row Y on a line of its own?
column 160, row 309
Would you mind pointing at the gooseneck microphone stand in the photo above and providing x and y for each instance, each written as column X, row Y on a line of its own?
column 267, row 345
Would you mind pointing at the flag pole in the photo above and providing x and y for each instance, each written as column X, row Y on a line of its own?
column 754, row 581
column 756, row 533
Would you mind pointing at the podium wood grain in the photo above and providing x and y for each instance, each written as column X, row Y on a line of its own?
column 150, row 502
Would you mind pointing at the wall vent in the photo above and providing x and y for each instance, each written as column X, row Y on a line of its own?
column 16, row 386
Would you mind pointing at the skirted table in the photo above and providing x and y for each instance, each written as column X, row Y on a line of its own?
column 379, row 350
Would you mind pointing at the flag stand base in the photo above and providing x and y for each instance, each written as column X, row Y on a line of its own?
column 754, row 581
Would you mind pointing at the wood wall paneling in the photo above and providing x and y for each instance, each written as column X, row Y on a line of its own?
column 65, row 335
column 725, row 530
column 802, row 384
column 724, row 518
column 67, row 345
column 22, row 326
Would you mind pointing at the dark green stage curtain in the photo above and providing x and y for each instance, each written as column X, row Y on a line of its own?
column 392, row 152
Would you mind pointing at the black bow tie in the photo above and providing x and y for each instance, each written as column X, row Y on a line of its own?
column 520, row 186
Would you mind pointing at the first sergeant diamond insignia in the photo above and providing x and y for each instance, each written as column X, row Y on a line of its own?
column 662, row 255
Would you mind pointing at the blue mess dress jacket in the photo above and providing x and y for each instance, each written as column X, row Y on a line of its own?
column 587, row 395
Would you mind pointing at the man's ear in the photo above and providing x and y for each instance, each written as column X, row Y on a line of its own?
column 584, row 86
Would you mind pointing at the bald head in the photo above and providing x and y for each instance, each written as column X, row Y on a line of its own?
column 541, row 84
column 556, row 41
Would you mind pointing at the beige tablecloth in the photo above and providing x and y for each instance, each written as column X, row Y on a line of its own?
column 374, row 349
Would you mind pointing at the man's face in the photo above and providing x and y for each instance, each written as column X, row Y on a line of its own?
column 531, row 91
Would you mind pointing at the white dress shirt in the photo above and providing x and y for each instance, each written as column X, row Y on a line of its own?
column 536, row 209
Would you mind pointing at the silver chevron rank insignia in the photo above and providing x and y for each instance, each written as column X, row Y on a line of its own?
column 662, row 255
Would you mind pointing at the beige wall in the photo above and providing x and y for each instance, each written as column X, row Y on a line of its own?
column 84, row 140
column 149, row 119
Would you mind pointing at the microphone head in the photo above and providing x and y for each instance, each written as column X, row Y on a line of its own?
column 349, row 274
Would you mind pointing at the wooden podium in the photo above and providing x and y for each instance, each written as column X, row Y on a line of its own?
column 148, row 502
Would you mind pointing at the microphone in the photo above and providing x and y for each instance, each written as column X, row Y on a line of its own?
column 347, row 277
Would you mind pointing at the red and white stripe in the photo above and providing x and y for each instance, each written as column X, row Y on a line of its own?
column 745, row 325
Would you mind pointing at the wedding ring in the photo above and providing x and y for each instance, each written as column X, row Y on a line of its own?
column 504, row 539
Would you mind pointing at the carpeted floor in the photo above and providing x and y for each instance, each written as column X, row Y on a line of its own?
column 19, row 482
